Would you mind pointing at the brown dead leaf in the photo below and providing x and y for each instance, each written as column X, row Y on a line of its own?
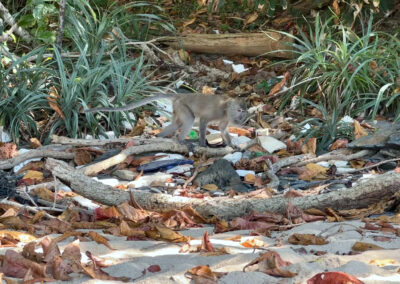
column 31, row 174
column 43, row 193
column 52, row 100
column 202, row 274
column 361, row 246
column 162, row 233
column 15, row 265
column 310, row 147
column 250, row 19
column 188, row 22
column 60, row 269
column 210, row 187
column 359, row 131
column 131, row 213
column 313, row 172
column 339, row 144
column 72, row 256
column 50, row 249
column 34, row 143
column 101, row 213
column 97, row 273
column 29, row 252
column 306, row 239
column 99, row 239
column 270, row 263
column 206, row 244
column 82, row 157
column 357, row 164
column 334, row 277
column 279, row 85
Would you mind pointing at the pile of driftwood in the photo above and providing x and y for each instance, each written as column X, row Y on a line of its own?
column 380, row 189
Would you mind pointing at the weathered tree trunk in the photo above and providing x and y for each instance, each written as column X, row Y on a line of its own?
column 367, row 192
column 249, row 44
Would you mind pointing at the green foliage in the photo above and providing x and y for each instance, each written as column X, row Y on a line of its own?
column 342, row 73
column 23, row 92
column 97, row 64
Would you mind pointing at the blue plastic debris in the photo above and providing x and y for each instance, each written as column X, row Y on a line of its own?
column 163, row 165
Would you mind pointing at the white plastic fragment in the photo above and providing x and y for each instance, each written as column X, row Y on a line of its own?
column 271, row 144
column 233, row 157
column 4, row 137
column 169, row 156
column 108, row 181
column 242, row 173
column 147, row 180
column 83, row 201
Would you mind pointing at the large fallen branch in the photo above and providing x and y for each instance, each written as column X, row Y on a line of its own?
column 249, row 44
column 55, row 139
column 10, row 163
column 366, row 192
column 159, row 147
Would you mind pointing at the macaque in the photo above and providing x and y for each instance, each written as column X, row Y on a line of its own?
column 186, row 107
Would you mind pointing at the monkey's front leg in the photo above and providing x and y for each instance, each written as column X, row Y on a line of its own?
column 202, row 132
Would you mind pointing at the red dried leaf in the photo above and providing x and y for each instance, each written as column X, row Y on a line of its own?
column 334, row 277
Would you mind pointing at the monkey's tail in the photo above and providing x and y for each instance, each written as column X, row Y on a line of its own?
column 133, row 105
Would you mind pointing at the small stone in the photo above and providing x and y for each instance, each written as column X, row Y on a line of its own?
column 271, row 144
column 125, row 174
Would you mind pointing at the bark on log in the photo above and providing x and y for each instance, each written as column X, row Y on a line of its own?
column 364, row 193
column 10, row 163
column 55, row 139
column 248, row 44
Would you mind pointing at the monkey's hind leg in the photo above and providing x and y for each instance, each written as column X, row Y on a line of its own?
column 223, row 127
column 186, row 118
column 168, row 130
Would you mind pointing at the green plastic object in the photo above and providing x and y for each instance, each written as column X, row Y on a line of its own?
column 193, row 135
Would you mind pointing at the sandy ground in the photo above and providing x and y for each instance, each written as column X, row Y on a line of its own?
column 132, row 257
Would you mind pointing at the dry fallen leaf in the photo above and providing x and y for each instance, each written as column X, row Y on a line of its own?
column 270, row 263
column 361, row 246
column 306, row 239
column 313, row 171
column 210, row 187
column 250, row 18
column 279, row 85
column 334, row 277
column 82, row 157
column 359, row 131
column 52, row 100
column 339, row 144
column 99, row 239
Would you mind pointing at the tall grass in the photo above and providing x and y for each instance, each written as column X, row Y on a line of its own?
column 354, row 75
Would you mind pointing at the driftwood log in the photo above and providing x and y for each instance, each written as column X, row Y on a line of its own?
column 248, row 44
column 364, row 193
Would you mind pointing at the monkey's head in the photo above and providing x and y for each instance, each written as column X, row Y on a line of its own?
column 237, row 111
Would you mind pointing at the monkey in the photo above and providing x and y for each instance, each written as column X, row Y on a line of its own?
column 186, row 107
